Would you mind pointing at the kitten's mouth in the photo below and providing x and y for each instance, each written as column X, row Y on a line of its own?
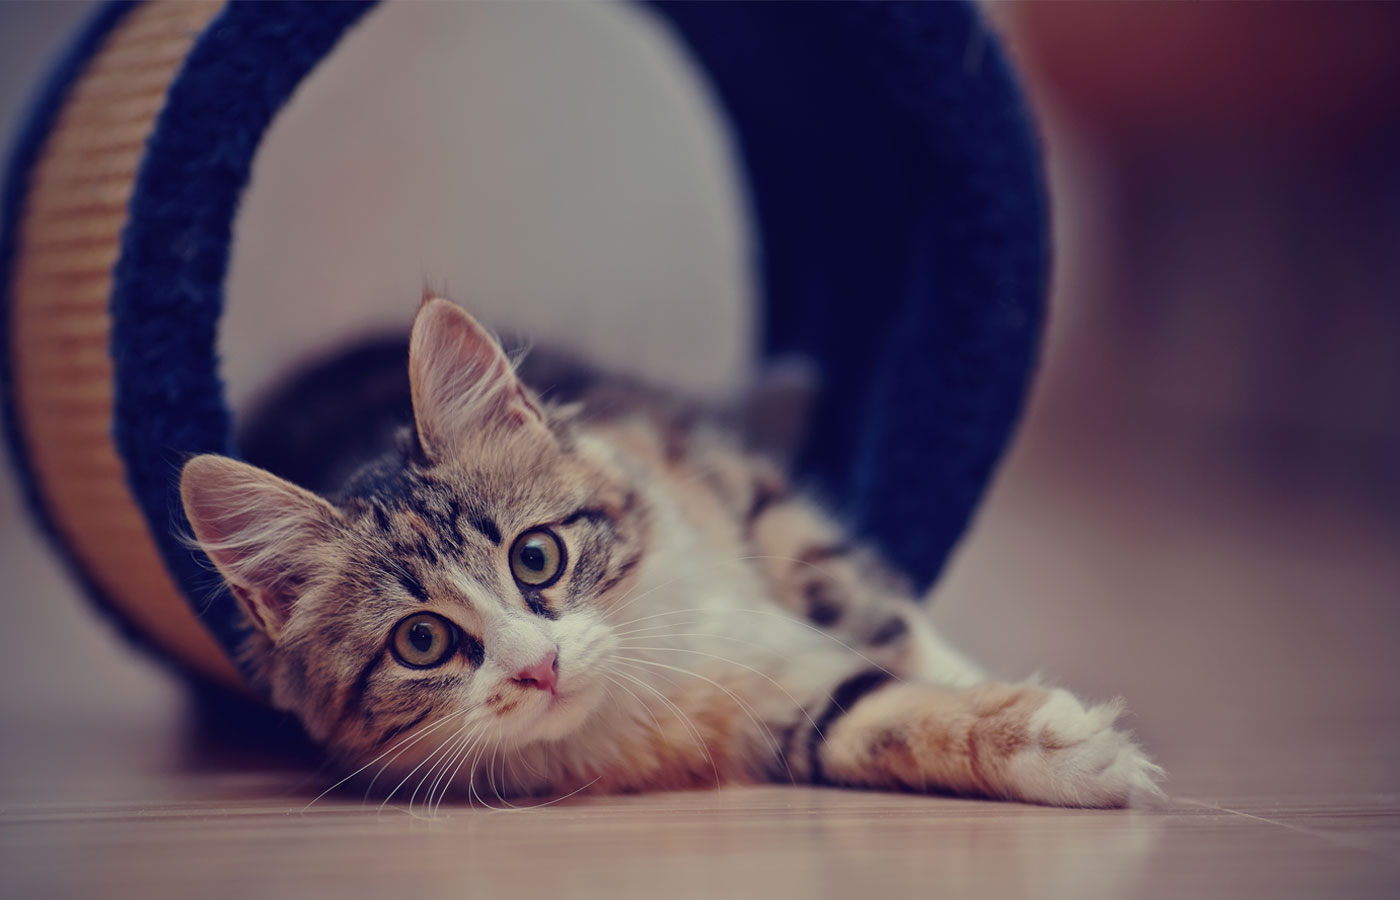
column 558, row 713
column 544, row 701
column 559, row 698
column 547, row 699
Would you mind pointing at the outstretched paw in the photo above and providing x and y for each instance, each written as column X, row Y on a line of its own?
column 1075, row 757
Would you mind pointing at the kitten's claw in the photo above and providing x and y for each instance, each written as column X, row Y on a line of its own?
column 1077, row 758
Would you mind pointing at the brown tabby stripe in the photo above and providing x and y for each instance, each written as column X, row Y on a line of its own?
column 765, row 497
column 813, row 555
column 361, row 684
column 623, row 569
column 537, row 605
column 594, row 514
column 397, row 730
column 410, row 583
column 889, row 631
column 846, row 695
column 822, row 606
column 486, row 525
column 473, row 649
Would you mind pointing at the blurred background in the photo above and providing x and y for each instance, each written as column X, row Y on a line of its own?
column 1202, row 509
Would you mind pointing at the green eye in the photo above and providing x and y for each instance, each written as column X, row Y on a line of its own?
column 537, row 558
column 424, row 640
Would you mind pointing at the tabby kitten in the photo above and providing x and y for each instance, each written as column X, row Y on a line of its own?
column 530, row 598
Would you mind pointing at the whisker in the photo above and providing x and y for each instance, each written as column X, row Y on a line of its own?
column 410, row 774
column 652, row 628
column 691, row 731
column 477, row 737
column 632, row 596
column 411, row 736
column 696, row 634
column 525, row 759
column 733, row 662
column 577, row 790
column 471, row 779
column 777, row 614
column 453, row 744
column 506, row 751
column 681, row 717
column 629, row 599
column 491, row 775
column 456, row 754
column 640, row 702
column 385, row 767
column 748, row 711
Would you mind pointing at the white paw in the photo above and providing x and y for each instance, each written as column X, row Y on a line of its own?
column 1077, row 758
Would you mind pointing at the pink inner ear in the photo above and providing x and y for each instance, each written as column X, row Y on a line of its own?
column 476, row 350
column 257, row 529
column 461, row 379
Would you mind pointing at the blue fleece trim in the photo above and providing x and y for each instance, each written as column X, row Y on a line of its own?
column 895, row 175
column 169, row 283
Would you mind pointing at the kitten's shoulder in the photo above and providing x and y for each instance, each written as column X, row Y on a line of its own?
column 341, row 425
column 768, row 417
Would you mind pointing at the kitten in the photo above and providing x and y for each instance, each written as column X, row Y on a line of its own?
column 531, row 598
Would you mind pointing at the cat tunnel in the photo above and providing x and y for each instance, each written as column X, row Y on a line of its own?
column 898, row 212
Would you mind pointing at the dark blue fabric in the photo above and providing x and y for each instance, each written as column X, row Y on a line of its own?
column 895, row 180
column 169, row 283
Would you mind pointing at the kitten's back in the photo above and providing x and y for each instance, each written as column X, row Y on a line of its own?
column 331, row 418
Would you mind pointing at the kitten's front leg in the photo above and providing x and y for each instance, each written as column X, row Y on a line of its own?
column 1019, row 742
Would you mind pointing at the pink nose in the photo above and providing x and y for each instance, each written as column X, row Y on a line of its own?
column 543, row 674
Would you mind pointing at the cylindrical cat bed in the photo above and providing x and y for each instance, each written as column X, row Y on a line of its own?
column 899, row 217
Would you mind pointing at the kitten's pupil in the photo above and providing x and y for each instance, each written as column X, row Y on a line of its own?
column 532, row 557
column 421, row 637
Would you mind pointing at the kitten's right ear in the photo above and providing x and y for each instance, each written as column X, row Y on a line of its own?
column 462, row 381
column 261, row 532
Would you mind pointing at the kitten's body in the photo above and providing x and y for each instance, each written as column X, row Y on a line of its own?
column 705, row 625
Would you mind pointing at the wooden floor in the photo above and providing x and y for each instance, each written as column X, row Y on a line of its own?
column 1256, row 642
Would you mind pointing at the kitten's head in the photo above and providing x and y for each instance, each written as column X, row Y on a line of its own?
column 461, row 587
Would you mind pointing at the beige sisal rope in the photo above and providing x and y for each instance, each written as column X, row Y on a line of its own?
column 68, row 242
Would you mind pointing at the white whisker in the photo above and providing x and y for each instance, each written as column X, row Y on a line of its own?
column 778, row 614
column 748, row 710
column 749, row 668
column 681, row 717
column 409, row 738
column 411, row 773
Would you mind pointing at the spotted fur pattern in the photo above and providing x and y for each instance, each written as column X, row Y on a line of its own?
column 709, row 625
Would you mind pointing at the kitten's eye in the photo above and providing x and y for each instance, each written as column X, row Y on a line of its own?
column 537, row 558
column 424, row 640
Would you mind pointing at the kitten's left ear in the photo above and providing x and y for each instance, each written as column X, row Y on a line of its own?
column 262, row 533
column 462, row 381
